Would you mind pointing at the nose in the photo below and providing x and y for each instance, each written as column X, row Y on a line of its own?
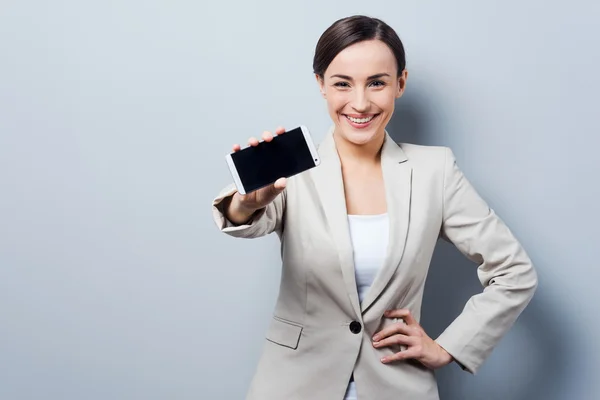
column 360, row 101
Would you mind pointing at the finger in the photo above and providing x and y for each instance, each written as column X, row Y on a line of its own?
column 241, row 197
column 253, row 141
column 389, row 331
column 395, row 340
column 403, row 313
column 404, row 329
column 401, row 355
column 267, row 136
column 280, row 130
column 280, row 184
column 274, row 189
column 392, row 330
column 236, row 147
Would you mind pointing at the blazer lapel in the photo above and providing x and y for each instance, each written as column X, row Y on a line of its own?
column 397, row 175
column 330, row 187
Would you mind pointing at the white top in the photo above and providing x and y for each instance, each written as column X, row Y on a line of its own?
column 369, row 235
column 370, row 238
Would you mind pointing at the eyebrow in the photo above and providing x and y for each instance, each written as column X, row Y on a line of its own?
column 350, row 78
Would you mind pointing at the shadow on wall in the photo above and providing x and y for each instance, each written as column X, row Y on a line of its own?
column 529, row 363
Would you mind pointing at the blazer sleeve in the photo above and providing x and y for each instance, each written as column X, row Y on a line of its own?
column 265, row 221
column 505, row 271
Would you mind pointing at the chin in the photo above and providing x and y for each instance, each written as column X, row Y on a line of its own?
column 358, row 137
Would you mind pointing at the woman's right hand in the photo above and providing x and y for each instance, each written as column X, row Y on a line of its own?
column 243, row 206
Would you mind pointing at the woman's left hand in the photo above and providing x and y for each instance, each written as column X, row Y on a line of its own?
column 419, row 345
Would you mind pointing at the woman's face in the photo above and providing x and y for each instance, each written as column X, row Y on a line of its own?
column 360, row 86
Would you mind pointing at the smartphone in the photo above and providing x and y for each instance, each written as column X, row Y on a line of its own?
column 286, row 155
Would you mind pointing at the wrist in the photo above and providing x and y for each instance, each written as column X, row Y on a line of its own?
column 236, row 212
column 445, row 357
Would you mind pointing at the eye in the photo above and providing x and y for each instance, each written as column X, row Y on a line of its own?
column 341, row 84
column 378, row 83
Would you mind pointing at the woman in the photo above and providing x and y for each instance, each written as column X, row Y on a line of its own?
column 357, row 236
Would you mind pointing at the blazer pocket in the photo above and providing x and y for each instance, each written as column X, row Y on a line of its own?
column 284, row 333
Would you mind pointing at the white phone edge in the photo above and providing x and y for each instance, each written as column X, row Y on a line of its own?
column 311, row 145
column 234, row 174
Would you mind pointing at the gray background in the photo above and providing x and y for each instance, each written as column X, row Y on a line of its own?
column 114, row 121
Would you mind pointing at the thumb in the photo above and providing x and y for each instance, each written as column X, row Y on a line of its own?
column 280, row 184
column 276, row 188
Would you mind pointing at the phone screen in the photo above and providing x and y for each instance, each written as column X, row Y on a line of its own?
column 286, row 155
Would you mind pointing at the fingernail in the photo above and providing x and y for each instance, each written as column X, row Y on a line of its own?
column 376, row 338
column 383, row 360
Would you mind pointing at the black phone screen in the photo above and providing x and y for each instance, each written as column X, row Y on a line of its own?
column 286, row 155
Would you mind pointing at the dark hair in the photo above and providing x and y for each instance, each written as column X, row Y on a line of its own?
column 350, row 30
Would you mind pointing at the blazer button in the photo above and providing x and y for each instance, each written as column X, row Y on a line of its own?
column 355, row 327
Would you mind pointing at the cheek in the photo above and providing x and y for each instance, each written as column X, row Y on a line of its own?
column 336, row 102
column 385, row 100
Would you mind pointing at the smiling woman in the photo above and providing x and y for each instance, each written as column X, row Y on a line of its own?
column 361, row 85
column 360, row 67
column 357, row 235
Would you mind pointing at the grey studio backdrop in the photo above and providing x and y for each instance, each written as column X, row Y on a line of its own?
column 114, row 121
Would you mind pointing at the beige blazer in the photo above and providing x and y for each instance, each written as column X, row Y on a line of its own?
column 320, row 334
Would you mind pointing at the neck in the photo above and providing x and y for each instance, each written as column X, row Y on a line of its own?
column 350, row 153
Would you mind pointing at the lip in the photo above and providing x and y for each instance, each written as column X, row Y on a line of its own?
column 360, row 126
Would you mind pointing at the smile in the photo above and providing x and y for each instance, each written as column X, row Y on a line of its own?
column 361, row 120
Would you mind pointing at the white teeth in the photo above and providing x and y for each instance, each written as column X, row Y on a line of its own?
column 360, row 120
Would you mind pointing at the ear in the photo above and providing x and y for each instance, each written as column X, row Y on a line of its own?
column 321, row 84
column 402, row 83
